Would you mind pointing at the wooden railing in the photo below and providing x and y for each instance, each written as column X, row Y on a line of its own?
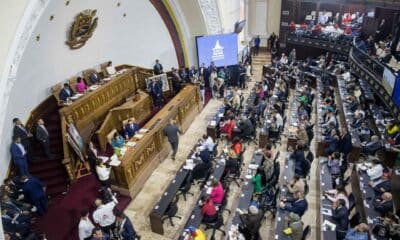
column 138, row 108
column 139, row 162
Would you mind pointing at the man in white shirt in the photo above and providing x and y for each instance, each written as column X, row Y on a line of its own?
column 208, row 143
column 85, row 226
column 104, row 215
column 279, row 120
column 103, row 170
column 376, row 171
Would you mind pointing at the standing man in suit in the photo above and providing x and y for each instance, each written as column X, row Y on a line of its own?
column 18, row 154
column 125, row 229
column 340, row 215
column 176, row 81
column 20, row 131
column 202, row 72
column 42, row 135
column 172, row 132
column 65, row 92
column 257, row 42
column 34, row 190
column 345, row 146
column 158, row 68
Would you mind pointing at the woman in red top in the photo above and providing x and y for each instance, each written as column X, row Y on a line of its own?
column 237, row 146
column 208, row 210
column 228, row 127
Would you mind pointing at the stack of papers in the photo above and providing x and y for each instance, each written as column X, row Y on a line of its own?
column 143, row 130
column 115, row 161
column 130, row 144
column 138, row 136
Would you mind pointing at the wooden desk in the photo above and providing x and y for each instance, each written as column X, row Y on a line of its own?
column 139, row 162
column 139, row 109
column 87, row 113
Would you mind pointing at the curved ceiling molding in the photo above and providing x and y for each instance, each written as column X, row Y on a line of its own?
column 172, row 24
column 32, row 14
column 210, row 11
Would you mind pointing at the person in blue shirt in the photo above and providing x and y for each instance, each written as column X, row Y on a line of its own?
column 18, row 153
column 117, row 141
column 34, row 190
column 99, row 235
column 131, row 128
column 257, row 42
column 359, row 232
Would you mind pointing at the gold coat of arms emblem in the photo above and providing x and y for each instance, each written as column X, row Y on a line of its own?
column 82, row 28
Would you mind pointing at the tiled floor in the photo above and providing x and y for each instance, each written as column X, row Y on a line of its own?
column 139, row 209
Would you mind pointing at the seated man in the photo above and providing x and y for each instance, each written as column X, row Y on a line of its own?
column 372, row 146
column 204, row 155
column 359, row 232
column 246, row 128
column 251, row 222
column 381, row 185
column 298, row 204
column 384, row 203
column 131, row 128
column 208, row 143
column 94, row 78
column 65, row 93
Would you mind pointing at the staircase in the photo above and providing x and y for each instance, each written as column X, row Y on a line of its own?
column 262, row 58
column 52, row 172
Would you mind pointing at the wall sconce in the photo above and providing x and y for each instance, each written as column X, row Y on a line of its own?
column 66, row 3
column 124, row 15
column 118, row 4
column 51, row 17
column 38, row 37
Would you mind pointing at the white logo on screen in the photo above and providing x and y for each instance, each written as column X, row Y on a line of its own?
column 218, row 52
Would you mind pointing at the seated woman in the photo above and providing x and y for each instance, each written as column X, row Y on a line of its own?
column 117, row 141
column 80, row 85
column 237, row 146
column 338, row 193
column 217, row 194
column 228, row 126
column 259, row 180
column 208, row 210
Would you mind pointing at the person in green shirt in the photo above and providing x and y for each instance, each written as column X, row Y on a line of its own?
column 303, row 99
column 259, row 180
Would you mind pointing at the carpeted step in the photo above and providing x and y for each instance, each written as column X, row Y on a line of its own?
column 45, row 165
column 56, row 190
column 55, row 173
column 55, row 182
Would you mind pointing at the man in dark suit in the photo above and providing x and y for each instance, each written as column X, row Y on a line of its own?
column 155, row 89
column 246, row 128
column 298, row 204
column 65, row 93
column 176, row 81
column 35, row 192
column 18, row 154
column 125, row 229
column 381, row 185
column 42, row 135
column 384, row 203
column 131, row 128
column 94, row 78
column 172, row 132
column 158, row 68
column 340, row 215
column 345, row 145
column 20, row 131
column 203, row 72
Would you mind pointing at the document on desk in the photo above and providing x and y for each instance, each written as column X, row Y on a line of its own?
column 213, row 123
column 130, row 144
column 138, row 136
column 326, row 211
column 115, row 162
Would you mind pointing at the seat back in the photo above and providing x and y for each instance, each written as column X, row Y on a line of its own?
column 56, row 89
column 306, row 232
column 352, row 201
column 72, row 83
column 355, row 220
column 111, row 135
